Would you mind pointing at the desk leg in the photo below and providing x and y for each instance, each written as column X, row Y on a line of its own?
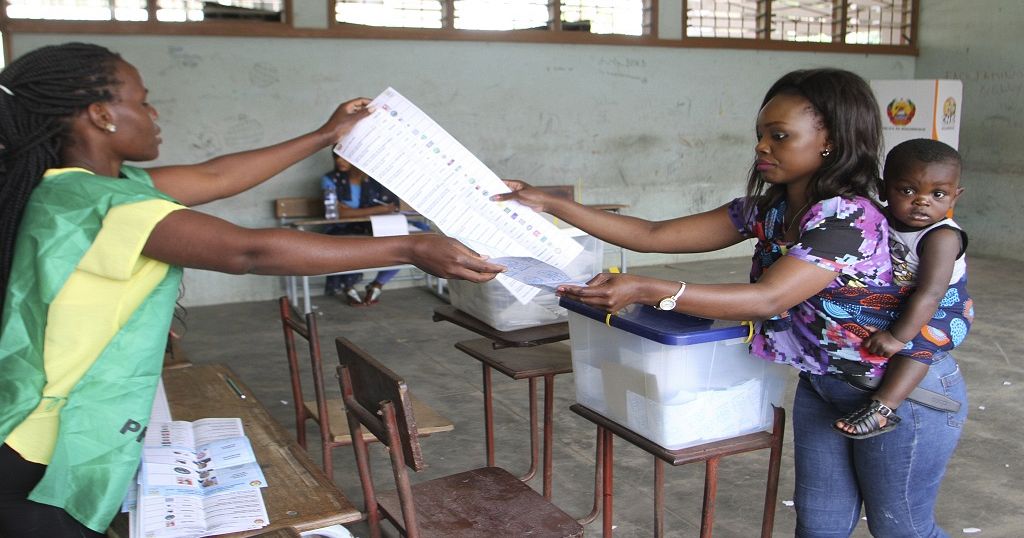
column 290, row 290
column 488, row 417
column 707, row 514
column 774, row 463
column 606, row 474
column 549, row 403
column 306, row 306
column 659, row 497
column 598, row 466
column 534, row 437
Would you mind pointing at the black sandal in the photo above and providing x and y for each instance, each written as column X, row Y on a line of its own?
column 865, row 422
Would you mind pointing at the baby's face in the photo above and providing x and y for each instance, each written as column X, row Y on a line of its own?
column 925, row 194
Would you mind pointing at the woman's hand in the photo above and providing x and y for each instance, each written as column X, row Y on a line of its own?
column 525, row 194
column 612, row 292
column 447, row 258
column 344, row 118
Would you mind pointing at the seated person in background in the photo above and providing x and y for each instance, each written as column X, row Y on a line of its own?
column 359, row 195
column 921, row 183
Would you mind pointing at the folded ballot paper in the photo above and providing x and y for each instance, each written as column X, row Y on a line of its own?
column 410, row 154
column 533, row 272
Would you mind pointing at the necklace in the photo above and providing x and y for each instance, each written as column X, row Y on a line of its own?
column 794, row 220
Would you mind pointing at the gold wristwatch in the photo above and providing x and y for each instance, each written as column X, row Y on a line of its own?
column 669, row 303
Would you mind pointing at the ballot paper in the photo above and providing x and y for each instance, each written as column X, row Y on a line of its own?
column 533, row 272
column 414, row 157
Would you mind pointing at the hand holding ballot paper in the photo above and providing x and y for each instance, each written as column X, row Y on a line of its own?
column 533, row 272
column 419, row 161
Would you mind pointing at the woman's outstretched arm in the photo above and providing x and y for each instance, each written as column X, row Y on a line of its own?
column 703, row 232
column 192, row 239
column 228, row 175
column 788, row 282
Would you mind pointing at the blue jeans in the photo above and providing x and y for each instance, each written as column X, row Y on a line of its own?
column 896, row 475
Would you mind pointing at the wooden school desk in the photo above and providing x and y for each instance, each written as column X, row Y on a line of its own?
column 299, row 494
column 303, row 214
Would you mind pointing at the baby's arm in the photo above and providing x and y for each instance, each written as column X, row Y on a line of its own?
column 883, row 343
column 938, row 252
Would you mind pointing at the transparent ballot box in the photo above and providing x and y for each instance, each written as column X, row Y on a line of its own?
column 672, row 378
column 494, row 305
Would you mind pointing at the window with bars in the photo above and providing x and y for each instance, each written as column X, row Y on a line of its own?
column 855, row 22
column 623, row 17
column 140, row 10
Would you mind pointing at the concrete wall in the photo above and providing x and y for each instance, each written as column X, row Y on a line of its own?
column 980, row 44
column 668, row 131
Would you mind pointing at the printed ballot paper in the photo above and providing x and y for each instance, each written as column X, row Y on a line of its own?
column 410, row 154
column 536, row 273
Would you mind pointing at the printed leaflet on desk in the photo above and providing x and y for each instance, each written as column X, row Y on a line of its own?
column 410, row 154
column 198, row 479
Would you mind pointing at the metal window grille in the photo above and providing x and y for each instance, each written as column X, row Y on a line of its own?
column 199, row 10
column 395, row 13
column 138, row 10
column 879, row 22
column 500, row 14
column 82, row 10
column 872, row 22
column 628, row 17
column 801, row 20
column 715, row 18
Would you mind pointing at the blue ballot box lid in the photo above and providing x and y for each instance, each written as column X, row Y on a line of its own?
column 669, row 328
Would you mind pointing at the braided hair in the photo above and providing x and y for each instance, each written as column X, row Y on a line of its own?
column 41, row 93
column 848, row 111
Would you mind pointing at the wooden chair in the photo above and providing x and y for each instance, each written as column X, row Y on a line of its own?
column 482, row 502
column 329, row 414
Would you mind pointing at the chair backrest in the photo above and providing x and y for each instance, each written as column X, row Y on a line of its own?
column 308, row 331
column 298, row 208
column 368, row 388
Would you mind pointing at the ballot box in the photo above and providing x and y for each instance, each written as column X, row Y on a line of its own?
column 674, row 379
column 923, row 108
column 493, row 304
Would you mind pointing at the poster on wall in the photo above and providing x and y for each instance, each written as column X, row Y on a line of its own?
column 926, row 108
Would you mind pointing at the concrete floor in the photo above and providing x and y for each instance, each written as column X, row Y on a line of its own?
column 982, row 490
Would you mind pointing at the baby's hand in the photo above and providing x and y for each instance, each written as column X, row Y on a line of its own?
column 883, row 343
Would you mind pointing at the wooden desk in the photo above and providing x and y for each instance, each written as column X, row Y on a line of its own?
column 291, row 282
column 299, row 494
column 286, row 532
column 709, row 453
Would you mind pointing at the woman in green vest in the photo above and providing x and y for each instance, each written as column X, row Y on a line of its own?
column 91, row 253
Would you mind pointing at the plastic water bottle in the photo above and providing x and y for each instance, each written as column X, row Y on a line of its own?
column 330, row 200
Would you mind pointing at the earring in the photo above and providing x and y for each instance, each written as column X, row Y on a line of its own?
column 826, row 152
column 110, row 127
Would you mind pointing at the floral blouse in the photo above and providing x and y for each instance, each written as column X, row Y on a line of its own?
column 823, row 334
